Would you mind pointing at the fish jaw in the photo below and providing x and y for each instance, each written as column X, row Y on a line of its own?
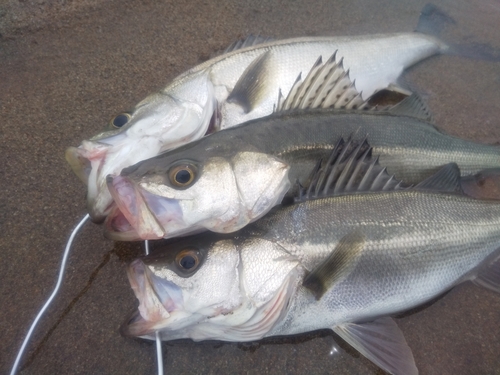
column 158, row 299
column 132, row 211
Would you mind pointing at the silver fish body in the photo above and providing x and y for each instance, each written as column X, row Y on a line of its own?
column 394, row 250
column 411, row 149
column 182, row 111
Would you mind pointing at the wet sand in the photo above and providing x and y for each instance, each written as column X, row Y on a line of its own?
column 66, row 69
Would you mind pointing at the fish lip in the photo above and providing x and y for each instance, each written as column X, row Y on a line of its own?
column 154, row 307
column 87, row 161
column 79, row 163
column 135, row 210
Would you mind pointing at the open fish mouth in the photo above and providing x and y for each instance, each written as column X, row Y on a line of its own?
column 141, row 215
column 118, row 228
column 158, row 298
column 133, row 208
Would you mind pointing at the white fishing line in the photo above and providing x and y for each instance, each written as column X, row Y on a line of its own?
column 159, row 354
column 56, row 289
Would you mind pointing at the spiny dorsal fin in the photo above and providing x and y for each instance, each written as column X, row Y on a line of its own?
column 326, row 86
column 447, row 179
column 412, row 106
column 349, row 169
column 248, row 90
column 249, row 41
column 337, row 265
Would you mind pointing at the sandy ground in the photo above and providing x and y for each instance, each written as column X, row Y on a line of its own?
column 67, row 67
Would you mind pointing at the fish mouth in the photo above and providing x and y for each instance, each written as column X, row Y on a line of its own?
column 133, row 213
column 142, row 215
column 118, row 228
column 158, row 299
column 87, row 162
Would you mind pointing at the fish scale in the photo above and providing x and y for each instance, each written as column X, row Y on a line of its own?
column 383, row 253
column 424, row 243
column 228, row 90
column 411, row 150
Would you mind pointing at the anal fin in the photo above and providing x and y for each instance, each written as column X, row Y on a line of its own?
column 489, row 275
column 382, row 342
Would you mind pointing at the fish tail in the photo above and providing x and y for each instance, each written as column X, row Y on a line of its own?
column 435, row 22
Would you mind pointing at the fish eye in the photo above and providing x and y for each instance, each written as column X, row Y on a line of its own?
column 120, row 120
column 188, row 260
column 182, row 175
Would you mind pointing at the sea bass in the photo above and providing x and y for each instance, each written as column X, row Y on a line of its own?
column 217, row 184
column 230, row 89
column 345, row 263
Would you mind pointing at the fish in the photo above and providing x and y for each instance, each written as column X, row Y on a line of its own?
column 152, row 204
column 342, row 262
column 237, row 86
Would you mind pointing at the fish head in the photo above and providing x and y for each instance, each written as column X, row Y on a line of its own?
column 161, row 122
column 180, row 194
column 211, row 287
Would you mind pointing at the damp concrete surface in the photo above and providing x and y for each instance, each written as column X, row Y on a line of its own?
column 67, row 67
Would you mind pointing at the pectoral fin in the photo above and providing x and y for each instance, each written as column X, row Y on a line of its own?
column 252, row 85
column 382, row 342
column 336, row 266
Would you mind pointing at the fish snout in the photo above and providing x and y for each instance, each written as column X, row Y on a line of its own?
column 87, row 162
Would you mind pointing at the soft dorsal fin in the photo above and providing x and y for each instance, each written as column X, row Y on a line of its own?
column 327, row 85
column 412, row 106
column 382, row 342
column 249, row 41
column 336, row 266
column 349, row 169
column 247, row 92
column 447, row 179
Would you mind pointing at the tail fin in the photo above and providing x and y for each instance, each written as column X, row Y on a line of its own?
column 433, row 21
